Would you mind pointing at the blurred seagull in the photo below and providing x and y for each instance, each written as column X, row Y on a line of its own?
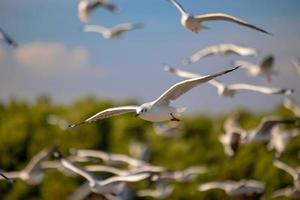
column 58, row 121
column 159, row 109
column 33, row 172
column 280, row 139
column 290, row 104
column 263, row 132
column 290, row 192
column 109, row 158
column 296, row 175
column 231, row 89
column 231, row 142
column 265, row 68
column 108, row 185
column 170, row 130
column 6, row 38
column 194, row 23
column 86, row 6
column 235, row 188
column 114, row 32
column 225, row 49
column 186, row 175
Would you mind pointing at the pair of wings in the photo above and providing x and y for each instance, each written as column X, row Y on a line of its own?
column 218, row 16
column 118, row 28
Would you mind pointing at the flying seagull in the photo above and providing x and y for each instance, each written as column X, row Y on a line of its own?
column 159, row 109
column 6, row 38
column 231, row 89
column 225, row 49
column 264, row 68
column 33, row 172
column 86, row 6
column 114, row 32
column 194, row 23
column 235, row 188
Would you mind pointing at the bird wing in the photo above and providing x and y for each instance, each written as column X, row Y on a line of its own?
column 288, row 191
column 110, row 112
column 9, row 175
column 211, row 185
column 96, row 28
column 186, row 74
column 37, row 160
column 226, row 17
column 103, row 168
column 127, row 27
column 240, row 50
column 105, row 4
column 268, row 123
column 129, row 178
column 178, row 6
column 7, row 38
column 267, row 62
column 261, row 89
column 126, row 159
column 285, row 167
column 182, row 87
column 201, row 54
column 80, row 193
column 92, row 153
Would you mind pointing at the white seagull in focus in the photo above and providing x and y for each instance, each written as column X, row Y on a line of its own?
column 6, row 38
column 33, row 173
column 235, row 188
column 225, row 49
column 231, row 89
column 194, row 23
column 86, row 6
column 264, row 68
column 159, row 109
column 114, row 32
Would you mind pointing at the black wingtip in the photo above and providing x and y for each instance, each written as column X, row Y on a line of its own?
column 230, row 70
column 74, row 125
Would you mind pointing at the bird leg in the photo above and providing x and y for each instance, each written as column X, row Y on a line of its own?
column 173, row 118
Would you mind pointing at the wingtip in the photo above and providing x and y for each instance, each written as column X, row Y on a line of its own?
column 288, row 91
column 75, row 125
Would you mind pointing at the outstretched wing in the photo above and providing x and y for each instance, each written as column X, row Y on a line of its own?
column 285, row 167
column 182, row 87
column 261, row 89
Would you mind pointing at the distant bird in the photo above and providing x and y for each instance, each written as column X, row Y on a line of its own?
column 109, row 185
column 295, row 174
column 290, row 192
column 235, row 188
column 114, row 32
column 262, row 134
column 109, row 158
column 86, row 6
column 296, row 64
column 194, row 23
column 290, row 104
column 225, row 49
column 6, row 38
column 162, row 191
column 33, row 173
column 159, row 109
column 265, row 68
column 280, row 139
column 170, row 130
column 231, row 142
column 230, row 90
column 55, row 120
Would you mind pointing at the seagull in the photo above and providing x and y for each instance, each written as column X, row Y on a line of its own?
column 280, row 139
column 114, row 32
column 109, row 185
column 231, row 142
column 109, row 158
column 290, row 104
column 263, row 132
column 159, row 109
column 225, row 49
column 231, row 89
column 235, row 188
column 296, row 175
column 86, row 6
column 194, row 23
column 265, row 68
column 32, row 173
column 58, row 121
column 290, row 192
column 4, row 36
column 170, row 130
column 162, row 191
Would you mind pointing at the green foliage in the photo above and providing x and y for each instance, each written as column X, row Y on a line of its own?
column 24, row 131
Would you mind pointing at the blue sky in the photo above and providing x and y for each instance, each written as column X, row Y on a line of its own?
column 84, row 63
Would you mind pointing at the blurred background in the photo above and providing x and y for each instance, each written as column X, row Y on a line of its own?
column 59, row 70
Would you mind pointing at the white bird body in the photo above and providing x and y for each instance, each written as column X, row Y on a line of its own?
column 225, row 49
column 159, row 109
column 194, row 23
column 235, row 188
column 231, row 89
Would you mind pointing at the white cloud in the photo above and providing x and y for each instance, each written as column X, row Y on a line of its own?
column 51, row 58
